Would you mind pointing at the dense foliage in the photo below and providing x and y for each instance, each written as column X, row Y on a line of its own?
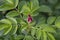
column 29, row 19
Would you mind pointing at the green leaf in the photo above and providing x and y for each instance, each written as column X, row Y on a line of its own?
column 49, row 29
column 57, row 6
column 23, row 27
column 6, row 26
column 14, row 26
column 38, row 34
column 20, row 5
column 51, row 19
column 44, row 35
column 28, row 38
column 9, row 1
column 12, row 13
column 22, row 23
column 32, row 23
column 51, row 36
column 57, row 12
column 57, row 22
column 8, row 4
column 44, row 8
column 33, row 31
column 25, row 17
column 19, row 37
column 34, row 14
column 34, row 5
column 52, row 1
column 30, row 7
column 3, row 26
column 41, row 20
column 25, row 10
column 7, row 30
column 5, row 21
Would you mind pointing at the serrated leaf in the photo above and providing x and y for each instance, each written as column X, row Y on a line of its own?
column 12, row 13
column 5, row 21
column 44, row 35
column 30, row 7
column 51, row 19
column 25, row 10
column 34, row 5
column 23, row 27
column 20, row 5
column 34, row 14
column 7, row 30
column 3, row 26
column 6, row 26
column 8, row 4
column 19, row 37
column 49, row 29
column 15, row 26
column 33, row 31
column 28, row 38
column 57, row 22
column 38, row 34
column 41, row 20
column 51, row 36
column 22, row 23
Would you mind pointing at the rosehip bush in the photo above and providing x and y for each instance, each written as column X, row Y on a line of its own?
column 29, row 19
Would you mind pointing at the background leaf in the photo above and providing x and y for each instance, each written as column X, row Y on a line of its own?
column 51, row 19
column 44, row 8
column 57, row 22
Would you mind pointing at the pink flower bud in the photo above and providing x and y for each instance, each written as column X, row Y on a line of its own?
column 29, row 19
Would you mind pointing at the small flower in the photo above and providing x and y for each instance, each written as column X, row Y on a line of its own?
column 29, row 19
